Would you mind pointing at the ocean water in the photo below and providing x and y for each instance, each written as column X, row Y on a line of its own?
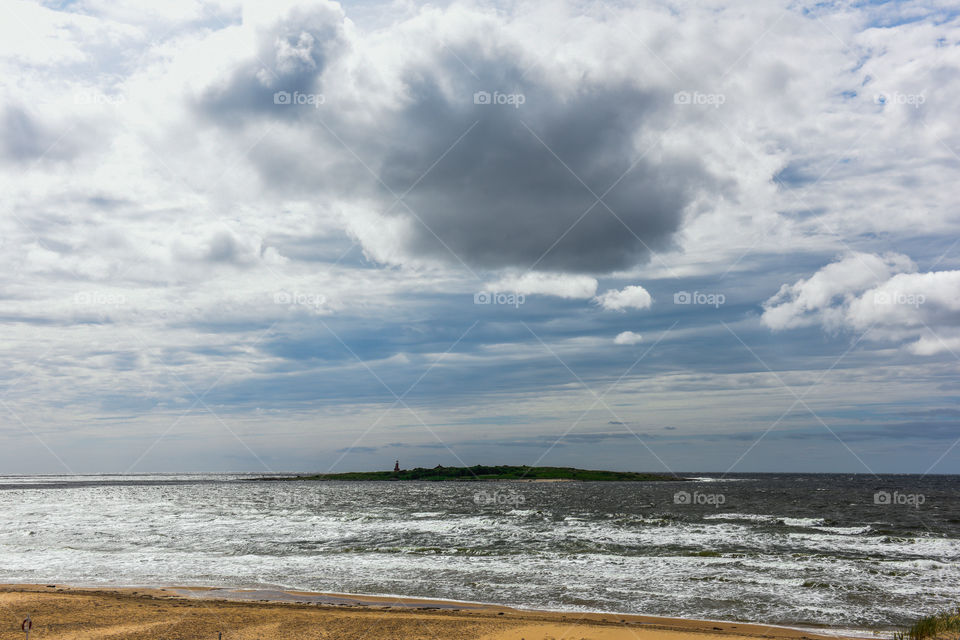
column 849, row 551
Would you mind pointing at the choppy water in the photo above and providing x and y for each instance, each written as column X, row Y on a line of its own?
column 788, row 549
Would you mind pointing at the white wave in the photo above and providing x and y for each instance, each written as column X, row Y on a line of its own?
column 751, row 517
column 756, row 517
column 846, row 531
column 802, row 522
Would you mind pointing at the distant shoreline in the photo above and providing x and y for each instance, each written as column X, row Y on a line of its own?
column 480, row 473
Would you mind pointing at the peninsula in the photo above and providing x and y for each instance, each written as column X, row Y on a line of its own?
column 487, row 473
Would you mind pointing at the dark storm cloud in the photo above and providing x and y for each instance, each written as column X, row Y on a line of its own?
column 503, row 169
column 223, row 248
column 522, row 177
column 290, row 57
column 22, row 139
column 25, row 139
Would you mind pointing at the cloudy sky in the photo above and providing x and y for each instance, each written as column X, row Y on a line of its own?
column 661, row 236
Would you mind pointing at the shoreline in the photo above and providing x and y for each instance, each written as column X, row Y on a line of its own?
column 241, row 613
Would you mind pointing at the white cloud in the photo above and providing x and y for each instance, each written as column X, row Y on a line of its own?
column 899, row 300
column 631, row 297
column 811, row 300
column 628, row 337
column 547, row 284
column 930, row 345
column 882, row 294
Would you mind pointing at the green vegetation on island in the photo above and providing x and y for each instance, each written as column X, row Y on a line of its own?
column 502, row 472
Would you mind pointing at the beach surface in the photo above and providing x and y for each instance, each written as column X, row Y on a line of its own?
column 75, row 613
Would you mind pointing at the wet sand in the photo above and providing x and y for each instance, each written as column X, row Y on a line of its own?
column 74, row 613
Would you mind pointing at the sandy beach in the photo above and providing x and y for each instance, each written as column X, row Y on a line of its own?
column 73, row 613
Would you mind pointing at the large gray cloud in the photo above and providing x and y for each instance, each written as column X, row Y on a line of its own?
column 290, row 55
column 26, row 140
column 521, row 188
column 491, row 185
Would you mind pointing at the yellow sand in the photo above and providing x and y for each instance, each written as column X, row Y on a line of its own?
column 189, row 614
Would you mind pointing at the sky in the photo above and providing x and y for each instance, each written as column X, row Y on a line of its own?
column 651, row 236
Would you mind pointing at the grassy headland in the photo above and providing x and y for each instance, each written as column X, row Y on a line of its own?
column 481, row 472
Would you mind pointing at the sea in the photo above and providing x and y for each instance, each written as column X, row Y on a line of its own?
column 852, row 552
